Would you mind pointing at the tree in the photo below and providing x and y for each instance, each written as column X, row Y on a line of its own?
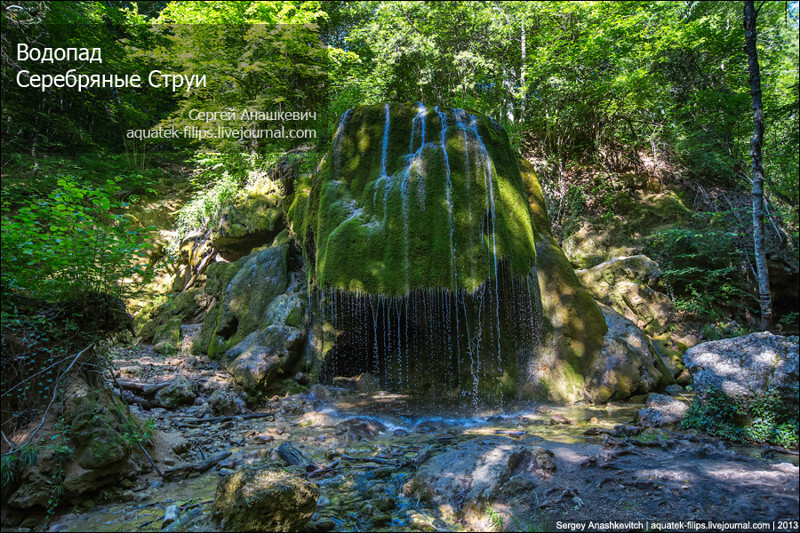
column 765, row 300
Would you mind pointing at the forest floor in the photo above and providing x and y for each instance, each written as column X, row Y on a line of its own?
column 369, row 445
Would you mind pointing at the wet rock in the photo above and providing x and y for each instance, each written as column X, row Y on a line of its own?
column 318, row 392
column 178, row 392
column 400, row 432
column 541, row 409
column 265, row 498
column 744, row 366
column 559, row 419
column 476, row 470
column 359, row 428
column 302, row 378
column 366, row 383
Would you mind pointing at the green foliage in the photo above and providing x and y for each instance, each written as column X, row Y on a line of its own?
column 133, row 433
column 70, row 244
column 12, row 463
column 225, row 180
column 701, row 265
column 765, row 417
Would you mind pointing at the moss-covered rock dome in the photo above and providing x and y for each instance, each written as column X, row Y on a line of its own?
column 411, row 197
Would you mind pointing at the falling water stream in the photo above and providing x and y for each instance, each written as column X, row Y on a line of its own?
column 445, row 341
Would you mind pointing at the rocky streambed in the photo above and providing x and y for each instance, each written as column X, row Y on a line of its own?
column 379, row 461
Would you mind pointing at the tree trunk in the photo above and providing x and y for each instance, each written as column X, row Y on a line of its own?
column 764, row 297
column 523, row 53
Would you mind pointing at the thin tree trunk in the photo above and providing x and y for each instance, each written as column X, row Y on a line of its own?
column 750, row 14
column 524, row 54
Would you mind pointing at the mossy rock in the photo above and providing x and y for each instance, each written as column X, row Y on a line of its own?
column 94, row 427
column 220, row 274
column 164, row 327
column 390, row 212
column 244, row 290
column 626, row 285
column 252, row 222
column 167, row 336
column 255, row 362
column 285, row 309
column 265, row 498
column 628, row 365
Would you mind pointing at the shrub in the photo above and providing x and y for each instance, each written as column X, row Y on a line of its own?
column 701, row 266
column 762, row 418
column 71, row 244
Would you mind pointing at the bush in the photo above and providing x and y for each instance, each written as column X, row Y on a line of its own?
column 70, row 245
column 759, row 419
column 702, row 267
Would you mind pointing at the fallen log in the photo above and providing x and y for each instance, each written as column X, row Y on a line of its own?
column 377, row 460
column 146, row 389
column 199, row 467
column 292, row 456
column 200, row 421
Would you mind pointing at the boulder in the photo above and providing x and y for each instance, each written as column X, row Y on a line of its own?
column 178, row 392
column 95, row 456
column 256, row 361
column 359, row 428
column 476, row 470
column 284, row 309
column 255, row 220
column 225, row 403
column 629, row 364
column 745, row 366
column 626, row 284
column 265, row 498
column 243, row 300
column 662, row 410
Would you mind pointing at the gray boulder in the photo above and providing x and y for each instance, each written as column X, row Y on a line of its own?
column 476, row 471
column 178, row 392
column 261, row 356
column 745, row 366
column 629, row 364
column 662, row 410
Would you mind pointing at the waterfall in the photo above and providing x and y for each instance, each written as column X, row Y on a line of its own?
column 448, row 191
column 337, row 141
column 440, row 339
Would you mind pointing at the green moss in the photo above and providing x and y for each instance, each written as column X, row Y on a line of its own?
column 219, row 276
column 365, row 232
